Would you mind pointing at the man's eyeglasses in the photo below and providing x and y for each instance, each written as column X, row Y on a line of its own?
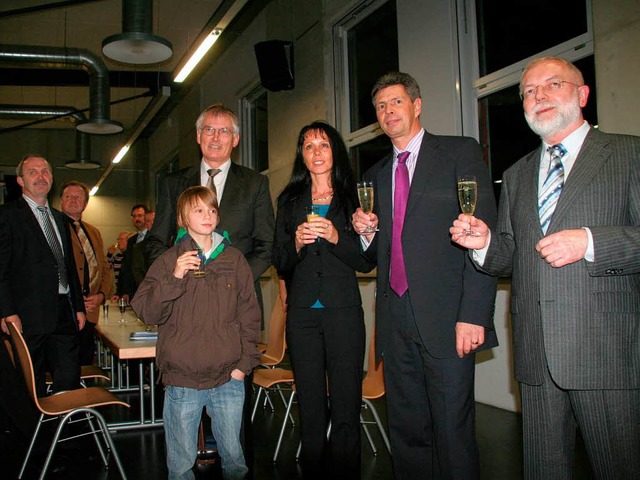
column 552, row 86
column 224, row 132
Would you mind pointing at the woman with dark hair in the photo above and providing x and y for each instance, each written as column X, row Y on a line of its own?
column 319, row 258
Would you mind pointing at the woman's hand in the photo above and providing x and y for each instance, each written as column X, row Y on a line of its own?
column 309, row 232
column 185, row 262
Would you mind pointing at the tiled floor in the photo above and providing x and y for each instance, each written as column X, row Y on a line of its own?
column 142, row 453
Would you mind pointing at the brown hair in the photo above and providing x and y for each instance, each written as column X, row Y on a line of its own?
column 189, row 198
column 76, row 183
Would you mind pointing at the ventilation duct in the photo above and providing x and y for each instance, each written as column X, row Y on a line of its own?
column 82, row 159
column 136, row 44
column 61, row 57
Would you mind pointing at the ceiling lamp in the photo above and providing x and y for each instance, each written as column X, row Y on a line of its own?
column 137, row 45
column 83, row 153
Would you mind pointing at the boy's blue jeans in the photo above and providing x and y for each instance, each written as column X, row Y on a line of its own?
column 182, row 413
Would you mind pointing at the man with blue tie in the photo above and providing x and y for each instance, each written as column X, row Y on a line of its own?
column 434, row 309
column 568, row 234
column 39, row 291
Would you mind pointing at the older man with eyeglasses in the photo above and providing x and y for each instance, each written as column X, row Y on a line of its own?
column 246, row 211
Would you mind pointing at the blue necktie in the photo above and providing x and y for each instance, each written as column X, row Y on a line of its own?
column 552, row 186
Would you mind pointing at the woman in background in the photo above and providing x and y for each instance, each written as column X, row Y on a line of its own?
column 325, row 322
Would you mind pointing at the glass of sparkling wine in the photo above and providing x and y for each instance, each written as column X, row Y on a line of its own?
column 365, row 196
column 468, row 196
column 122, row 304
column 312, row 212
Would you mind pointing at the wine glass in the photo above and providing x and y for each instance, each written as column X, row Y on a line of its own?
column 468, row 196
column 365, row 196
column 312, row 212
column 122, row 304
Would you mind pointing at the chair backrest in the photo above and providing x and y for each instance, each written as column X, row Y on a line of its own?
column 7, row 344
column 276, row 343
column 373, row 382
column 24, row 358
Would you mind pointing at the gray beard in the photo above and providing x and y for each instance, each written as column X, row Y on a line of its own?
column 565, row 115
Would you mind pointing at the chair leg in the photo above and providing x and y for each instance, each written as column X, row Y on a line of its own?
column 54, row 443
column 284, row 425
column 30, row 449
column 383, row 434
column 364, row 423
column 95, row 432
column 255, row 404
column 105, row 429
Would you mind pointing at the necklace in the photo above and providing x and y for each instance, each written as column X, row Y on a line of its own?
column 320, row 199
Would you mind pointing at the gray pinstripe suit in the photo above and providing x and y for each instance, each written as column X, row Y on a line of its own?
column 578, row 325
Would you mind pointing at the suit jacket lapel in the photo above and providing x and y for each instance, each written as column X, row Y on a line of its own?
column 233, row 187
column 591, row 157
column 530, row 173
column 384, row 203
column 32, row 222
column 426, row 166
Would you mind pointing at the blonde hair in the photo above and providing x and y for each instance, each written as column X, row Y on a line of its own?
column 189, row 199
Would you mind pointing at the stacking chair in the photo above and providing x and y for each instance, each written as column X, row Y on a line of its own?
column 372, row 388
column 66, row 406
column 87, row 372
column 273, row 352
column 269, row 378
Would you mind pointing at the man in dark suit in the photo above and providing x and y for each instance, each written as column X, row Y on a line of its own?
column 575, row 268
column 246, row 211
column 126, row 285
column 38, row 291
column 91, row 266
column 434, row 309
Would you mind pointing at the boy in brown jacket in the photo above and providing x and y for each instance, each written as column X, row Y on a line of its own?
column 200, row 292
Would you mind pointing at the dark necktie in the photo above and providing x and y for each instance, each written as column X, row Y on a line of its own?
column 212, row 173
column 552, row 186
column 90, row 257
column 55, row 246
column 398, row 274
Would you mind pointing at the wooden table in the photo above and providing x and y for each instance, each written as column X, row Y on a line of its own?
column 115, row 337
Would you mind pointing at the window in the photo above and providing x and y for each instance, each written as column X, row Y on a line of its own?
column 254, row 131
column 365, row 47
column 501, row 40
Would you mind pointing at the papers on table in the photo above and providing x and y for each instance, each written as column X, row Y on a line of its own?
column 143, row 336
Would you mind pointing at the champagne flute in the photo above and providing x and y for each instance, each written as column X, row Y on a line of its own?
column 365, row 197
column 468, row 197
column 122, row 304
column 312, row 212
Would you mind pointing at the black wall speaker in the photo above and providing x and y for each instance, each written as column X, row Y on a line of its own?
column 275, row 64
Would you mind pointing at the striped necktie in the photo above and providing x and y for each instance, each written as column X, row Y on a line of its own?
column 552, row 186
column 54, row 245
column 398, row 274
column 90, row 257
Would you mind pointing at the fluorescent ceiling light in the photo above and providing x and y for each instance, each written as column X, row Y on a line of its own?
column 202, row 50
column 93, row 191
column 123, row 151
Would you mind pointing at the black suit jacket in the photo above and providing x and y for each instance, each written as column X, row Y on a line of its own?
column 28, row 269
column 320, row 271
column 246, row 212
column 444, row 285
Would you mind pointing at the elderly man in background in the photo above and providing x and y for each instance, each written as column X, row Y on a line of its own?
column 91, row 263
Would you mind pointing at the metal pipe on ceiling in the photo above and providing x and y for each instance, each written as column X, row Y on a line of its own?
column 99, row 121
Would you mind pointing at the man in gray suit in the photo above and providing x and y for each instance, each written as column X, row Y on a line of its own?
column 575, row 300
